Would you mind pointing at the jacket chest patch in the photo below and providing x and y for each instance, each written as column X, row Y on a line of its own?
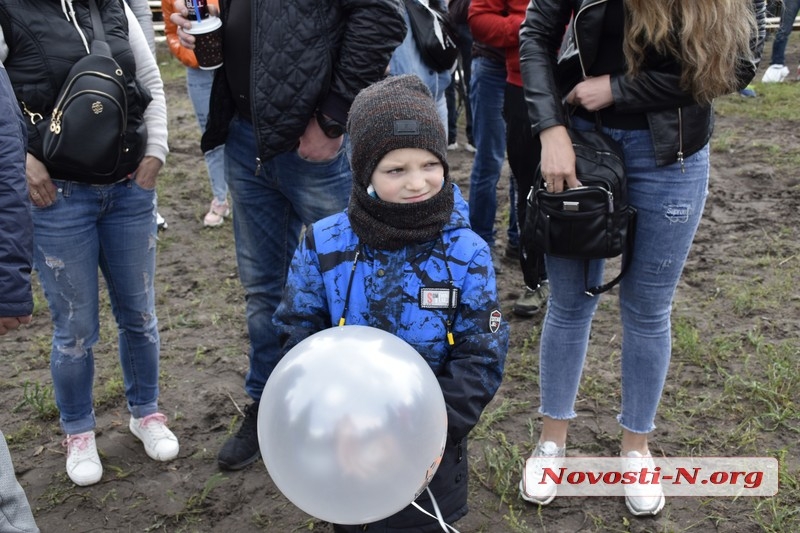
column 495, row 317
column 438, row 298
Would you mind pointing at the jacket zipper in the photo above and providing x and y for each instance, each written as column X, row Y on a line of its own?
column 575, row 33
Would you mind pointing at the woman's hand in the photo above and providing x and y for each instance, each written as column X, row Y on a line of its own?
column 147, row 171
column 592, row 94
column 40, row 187
column 558, row 159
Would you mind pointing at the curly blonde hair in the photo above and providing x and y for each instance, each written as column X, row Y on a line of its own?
column 709, row 37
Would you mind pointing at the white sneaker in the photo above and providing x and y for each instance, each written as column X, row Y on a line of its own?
column 642, row 499
column 775, row 74
column 160, row 221
column 469, row 148
column 83, row 463
column 534, row 486
column 216, row 213
column 452, row 146
column 159, row 442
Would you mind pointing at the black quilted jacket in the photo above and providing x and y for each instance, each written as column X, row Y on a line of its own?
column 306, row 54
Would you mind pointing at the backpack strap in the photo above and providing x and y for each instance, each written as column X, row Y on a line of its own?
column 99, row 44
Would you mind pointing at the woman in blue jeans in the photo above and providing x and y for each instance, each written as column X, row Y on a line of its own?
column 652, row 87
column 82, row 222
column 198, row 85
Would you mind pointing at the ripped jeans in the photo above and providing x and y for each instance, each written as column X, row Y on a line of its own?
column 670, row 204
column 113, row 227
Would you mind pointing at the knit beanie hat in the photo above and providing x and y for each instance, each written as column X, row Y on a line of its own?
column 397, row 112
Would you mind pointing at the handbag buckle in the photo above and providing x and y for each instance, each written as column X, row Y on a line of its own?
column 570, row 206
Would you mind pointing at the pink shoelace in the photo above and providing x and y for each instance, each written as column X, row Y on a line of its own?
column 155, row 417
column 81, row 441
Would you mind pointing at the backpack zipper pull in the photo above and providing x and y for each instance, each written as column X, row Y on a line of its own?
column 55, row 122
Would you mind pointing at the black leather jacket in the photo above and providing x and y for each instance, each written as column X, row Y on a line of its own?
column 306, row 54
column 551, row 67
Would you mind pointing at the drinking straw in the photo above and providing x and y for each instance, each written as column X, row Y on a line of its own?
column 196, row 10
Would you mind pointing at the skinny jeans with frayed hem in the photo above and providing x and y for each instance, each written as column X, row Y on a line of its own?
column 113, row 227
column 670, row 203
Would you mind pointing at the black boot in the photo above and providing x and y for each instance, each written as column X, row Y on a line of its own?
column 242, row 449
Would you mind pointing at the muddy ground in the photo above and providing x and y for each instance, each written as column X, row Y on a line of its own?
column 732, row 388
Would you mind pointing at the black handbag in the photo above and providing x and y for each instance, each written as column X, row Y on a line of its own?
column 593, row 221
column 433, row 34
column 88, row 136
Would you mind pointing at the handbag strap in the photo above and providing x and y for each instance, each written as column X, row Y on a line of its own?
column 626, row 262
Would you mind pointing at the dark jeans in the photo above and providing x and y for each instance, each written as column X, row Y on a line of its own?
column 465, row 62
column 524, row 151
column 790, row 10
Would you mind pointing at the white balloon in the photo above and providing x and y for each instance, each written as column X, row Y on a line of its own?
column 352, row 424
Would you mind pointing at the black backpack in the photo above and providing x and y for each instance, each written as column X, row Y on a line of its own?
column 87, row 136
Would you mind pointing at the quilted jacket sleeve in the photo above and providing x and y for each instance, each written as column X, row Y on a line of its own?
column 373, row 29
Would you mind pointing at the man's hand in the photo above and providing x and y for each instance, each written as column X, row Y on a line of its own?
column 315, row 145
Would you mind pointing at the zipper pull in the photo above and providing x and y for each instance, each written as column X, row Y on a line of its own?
column 610, row 202
column 680, row 160
column 258, row 166
column 55, row 122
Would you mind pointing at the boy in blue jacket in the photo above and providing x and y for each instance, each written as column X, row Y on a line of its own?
column 402, row 258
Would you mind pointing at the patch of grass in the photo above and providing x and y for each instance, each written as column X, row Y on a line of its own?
column 502, row 463
column 493, row 416
column 775, row 101
column 24, row 435
column 781, row 512
column 112, row 391
column 39, row 399
column 769, row 384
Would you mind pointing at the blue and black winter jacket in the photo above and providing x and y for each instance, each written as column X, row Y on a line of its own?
column 407, row 292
